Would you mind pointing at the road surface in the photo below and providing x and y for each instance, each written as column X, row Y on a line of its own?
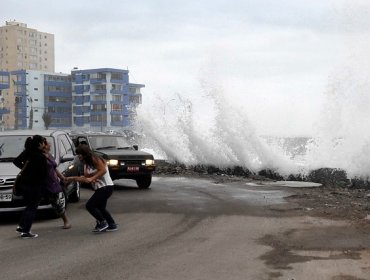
column 185, row 228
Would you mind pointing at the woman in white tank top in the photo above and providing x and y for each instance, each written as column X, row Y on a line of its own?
column 96, row 173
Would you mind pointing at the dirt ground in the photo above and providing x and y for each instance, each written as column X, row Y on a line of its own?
column 327, row 202
column 331, row 202
column 343, row 240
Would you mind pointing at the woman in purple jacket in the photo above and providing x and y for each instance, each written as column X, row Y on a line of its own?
column 52, row 188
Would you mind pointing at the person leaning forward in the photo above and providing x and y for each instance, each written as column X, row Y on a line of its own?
column 96, row 173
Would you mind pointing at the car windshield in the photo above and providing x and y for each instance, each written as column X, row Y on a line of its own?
column 12, row 145
column 107, row 141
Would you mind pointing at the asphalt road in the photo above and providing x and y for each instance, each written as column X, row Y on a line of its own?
column 188, row 229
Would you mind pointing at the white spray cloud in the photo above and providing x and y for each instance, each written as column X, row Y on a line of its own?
column 206, row 129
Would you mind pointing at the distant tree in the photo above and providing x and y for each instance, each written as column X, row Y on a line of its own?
column 30, row 125
column 47, row 120
column 16, row 110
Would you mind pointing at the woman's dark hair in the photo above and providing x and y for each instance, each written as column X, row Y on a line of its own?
column 38, row 139
column 87, row 153
column 33, row 143
column 28, row 145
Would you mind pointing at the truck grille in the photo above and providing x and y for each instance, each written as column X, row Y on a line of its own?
column 133, row 162
column 6, row 183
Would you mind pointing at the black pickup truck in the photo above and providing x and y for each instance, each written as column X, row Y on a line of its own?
column 125, row 161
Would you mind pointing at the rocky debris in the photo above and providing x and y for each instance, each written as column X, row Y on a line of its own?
column 329, row 177
column 232, row 173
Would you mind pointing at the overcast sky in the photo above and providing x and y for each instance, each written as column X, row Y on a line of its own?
column 274, row 57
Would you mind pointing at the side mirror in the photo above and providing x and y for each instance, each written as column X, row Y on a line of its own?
column 67, row 157
column 136, row 147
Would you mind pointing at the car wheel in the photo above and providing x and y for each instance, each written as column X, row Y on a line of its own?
column 75, row 196
column 144, row 181
column 63, row 200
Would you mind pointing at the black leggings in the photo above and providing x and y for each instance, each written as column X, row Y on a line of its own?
column 32, row 197
column 97, row 204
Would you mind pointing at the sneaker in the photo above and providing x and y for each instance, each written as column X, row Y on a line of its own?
column 19, row 230
column 27, row 235
column 102, row 226
column 96, row 226
column 112, row 227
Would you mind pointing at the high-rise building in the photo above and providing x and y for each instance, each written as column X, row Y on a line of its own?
column 33, row 96
column 23, row 48
column 103, row 99
column 4, row 86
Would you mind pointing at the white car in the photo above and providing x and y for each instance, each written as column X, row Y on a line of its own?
column 12, row 144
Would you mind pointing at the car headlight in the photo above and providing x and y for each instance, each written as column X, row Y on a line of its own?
column 113, row 162
column 149, row 162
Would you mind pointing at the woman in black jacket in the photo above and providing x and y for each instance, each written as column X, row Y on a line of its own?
column 32, row 179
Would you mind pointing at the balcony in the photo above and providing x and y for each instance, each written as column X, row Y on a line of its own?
column 4, row 111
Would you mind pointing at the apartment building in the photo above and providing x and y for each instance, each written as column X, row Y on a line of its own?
column 103, row 99
column 21, row 48
column 33, row 97
column 94, row 99
column 25, row 48
column 4, row 86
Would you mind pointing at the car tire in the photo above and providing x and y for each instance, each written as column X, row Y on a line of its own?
column 144, row 181
column 53, row 214
column 76, row 195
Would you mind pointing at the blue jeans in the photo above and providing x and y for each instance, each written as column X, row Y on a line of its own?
column 97, row 204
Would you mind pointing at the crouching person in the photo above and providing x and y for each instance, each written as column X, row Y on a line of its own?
column 96, row 173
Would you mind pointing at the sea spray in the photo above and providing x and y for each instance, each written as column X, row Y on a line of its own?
column 207, row 130
column 342, row 138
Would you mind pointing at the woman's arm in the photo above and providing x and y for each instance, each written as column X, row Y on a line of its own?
column 20, row 160
column 60, row 175
column 100, row 166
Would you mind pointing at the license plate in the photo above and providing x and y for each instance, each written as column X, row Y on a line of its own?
column 5, row 197
column 132, row 168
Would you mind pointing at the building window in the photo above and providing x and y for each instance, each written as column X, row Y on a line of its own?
column 101, row 87
column 116, row 87
column 117, row 107
column 4, row 79
column 117, row 98
column 117, row 76
column 99, row 107
column 98, row 76
column 98, row 98
column 117, row 118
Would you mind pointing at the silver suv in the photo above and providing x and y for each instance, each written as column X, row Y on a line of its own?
column 11, row 145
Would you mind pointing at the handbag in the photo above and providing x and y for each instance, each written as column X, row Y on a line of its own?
column 18, row 186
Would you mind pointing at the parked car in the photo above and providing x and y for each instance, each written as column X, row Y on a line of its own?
column 12, row 144
column 125, row 161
